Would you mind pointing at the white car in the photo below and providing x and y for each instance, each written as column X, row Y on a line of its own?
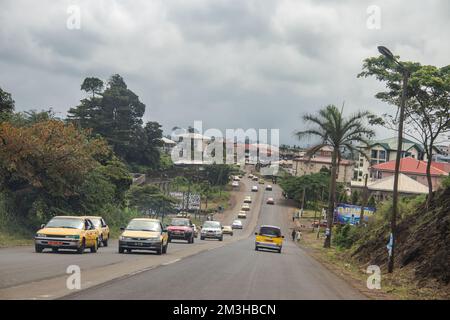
column 237, row 224
column 235, row 184
column 255, row 189
column 242, row 215
column 248, row 199
column 245, row 207
column 236, row 178
column 269, row 187
column 211, row 230
column 270, row 201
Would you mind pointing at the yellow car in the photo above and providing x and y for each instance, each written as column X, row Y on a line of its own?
column 67, row 232
column 102, row 228
column 269, row 237
column 144, row 234
column 245, row 207
column 248, row 199
column 261, row 181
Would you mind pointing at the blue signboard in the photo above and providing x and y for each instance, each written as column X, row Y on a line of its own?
column 348, row 213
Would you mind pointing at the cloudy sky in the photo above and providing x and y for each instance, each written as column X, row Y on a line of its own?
column 230, row 63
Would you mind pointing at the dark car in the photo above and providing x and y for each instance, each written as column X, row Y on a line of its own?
column 181, row 229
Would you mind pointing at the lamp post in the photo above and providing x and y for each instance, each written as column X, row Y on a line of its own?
column 388, row 54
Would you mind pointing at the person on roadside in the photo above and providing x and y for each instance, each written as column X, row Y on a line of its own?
column 293, row 234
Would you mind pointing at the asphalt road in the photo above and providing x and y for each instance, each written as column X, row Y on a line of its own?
column 234, row 271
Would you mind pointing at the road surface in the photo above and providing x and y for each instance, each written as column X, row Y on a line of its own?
column 207, row 269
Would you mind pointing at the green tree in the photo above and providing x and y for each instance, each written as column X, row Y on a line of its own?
column 6, row 105
column 92, row 85
column 427, row 112
column 149, row 197
column 334, row 130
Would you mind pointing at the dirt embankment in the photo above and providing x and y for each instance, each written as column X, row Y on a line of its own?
column 423, row 243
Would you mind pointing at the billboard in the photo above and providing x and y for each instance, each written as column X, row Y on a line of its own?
column 348, row 213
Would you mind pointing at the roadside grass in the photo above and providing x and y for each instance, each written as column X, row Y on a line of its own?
column 396, row 286
column 14, row 236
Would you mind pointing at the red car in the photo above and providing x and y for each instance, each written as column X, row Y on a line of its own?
column 181, row 229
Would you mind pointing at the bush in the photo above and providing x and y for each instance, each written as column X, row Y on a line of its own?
column 346, row 235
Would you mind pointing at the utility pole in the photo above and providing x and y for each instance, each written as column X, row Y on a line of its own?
column 388, row 54
column 364, row 200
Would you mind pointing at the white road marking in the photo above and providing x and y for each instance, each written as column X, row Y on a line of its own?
column 170, row 262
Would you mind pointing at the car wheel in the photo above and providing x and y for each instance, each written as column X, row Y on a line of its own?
column 120, row 250
column 94, row 248
column 55, row 250
column 159, row 250
column 279, row 250
column 80, row 250
column 221, row 239
column 256, row 248
column 128, row 250
column 38, row 248
column 169, row 240
column 100, row 241
column 193, row 239
column 202, row 238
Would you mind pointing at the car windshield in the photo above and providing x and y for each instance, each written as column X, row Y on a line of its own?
column 270, row 231
column 65, row 223
column 179, row 222
column 211, row 224
column 144, row 225
column 96, row 221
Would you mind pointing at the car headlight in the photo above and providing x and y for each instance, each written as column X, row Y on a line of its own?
column 41, row 235
column 124, row 238
column 154, row 239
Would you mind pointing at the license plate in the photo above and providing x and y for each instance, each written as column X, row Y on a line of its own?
column 55, row 243
column 269, row 240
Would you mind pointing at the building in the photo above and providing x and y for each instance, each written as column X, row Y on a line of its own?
column 381, row 189
column 414, row 169
column 167, row 145
column 382, row 151
column 322, row 160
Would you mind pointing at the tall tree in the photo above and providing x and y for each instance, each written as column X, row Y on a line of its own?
column 427, row 112
column 92, row 85
column 6, row 105
column 334, row 130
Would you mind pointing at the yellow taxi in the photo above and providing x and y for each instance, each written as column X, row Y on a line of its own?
column 67, row 232
column 144, row 234
column 102, row 228
column 269, row 237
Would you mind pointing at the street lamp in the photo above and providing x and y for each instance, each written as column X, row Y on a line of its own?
column 388, row 54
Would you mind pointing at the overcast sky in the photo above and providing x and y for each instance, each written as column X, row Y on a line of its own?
column 230, row 63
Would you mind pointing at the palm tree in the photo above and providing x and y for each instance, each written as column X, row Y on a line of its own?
column 337, row 132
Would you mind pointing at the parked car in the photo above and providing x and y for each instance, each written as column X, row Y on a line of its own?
column 250, row 176
column 255, row 189
column 248, row 199
column 181, row 229
column 236, row 178
column 261, row 181
column 235, row 184
column 269, row 187
column 242, row 215
column 255, row 178
column 102, row 228
column 237, row 224
column 212, row 230
column 245, row 207
column 269, row 237
column 67, row 232
column 227, row 230
column 144, row 234
column 270, row 201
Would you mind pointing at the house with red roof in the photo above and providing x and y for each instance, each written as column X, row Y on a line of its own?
column 413, row 168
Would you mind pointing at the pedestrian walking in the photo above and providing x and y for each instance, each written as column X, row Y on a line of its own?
column 293, row 234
